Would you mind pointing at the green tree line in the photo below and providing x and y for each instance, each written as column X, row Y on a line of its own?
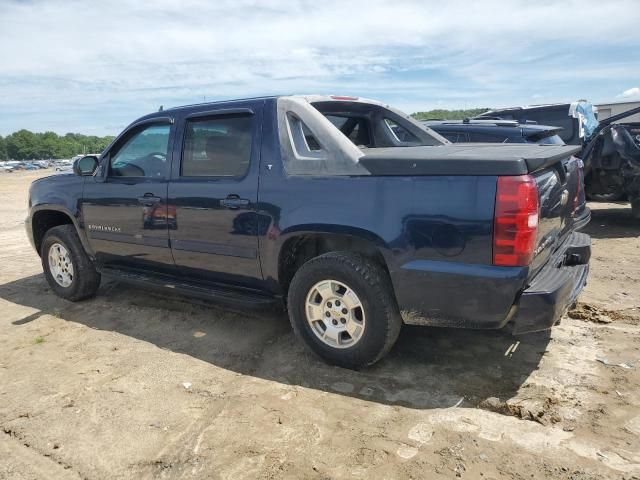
column 441, row 114
column 26, row 145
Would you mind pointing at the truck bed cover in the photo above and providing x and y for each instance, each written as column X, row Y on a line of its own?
column 467, row 159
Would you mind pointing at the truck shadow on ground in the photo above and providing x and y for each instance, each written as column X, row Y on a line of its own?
column 428, row 367
column 613, row 222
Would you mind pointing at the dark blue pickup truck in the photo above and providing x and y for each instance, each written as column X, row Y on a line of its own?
column 347, row 211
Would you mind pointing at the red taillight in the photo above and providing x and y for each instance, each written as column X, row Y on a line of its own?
column 577, row 200
column 515, row 221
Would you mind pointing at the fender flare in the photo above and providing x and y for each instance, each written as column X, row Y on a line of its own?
column 74, row 221
column 274, row 251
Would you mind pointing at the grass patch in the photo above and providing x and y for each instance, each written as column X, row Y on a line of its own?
column 38, row 340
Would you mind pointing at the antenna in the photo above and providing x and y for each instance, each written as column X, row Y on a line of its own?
column 161, row 108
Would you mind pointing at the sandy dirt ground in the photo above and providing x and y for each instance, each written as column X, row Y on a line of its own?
column 139, row 385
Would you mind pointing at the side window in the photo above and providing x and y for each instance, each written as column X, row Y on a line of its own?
column 217, row 146
column 144, row 154
column 401, row 134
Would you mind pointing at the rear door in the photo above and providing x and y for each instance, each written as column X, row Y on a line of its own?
column 213, row 195
column 125, row 211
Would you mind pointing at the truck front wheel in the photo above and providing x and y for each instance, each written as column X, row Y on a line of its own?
column 67, row 268
column 342, row 306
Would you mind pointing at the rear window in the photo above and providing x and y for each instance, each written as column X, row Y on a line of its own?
column 376, row 126
column 355, row 129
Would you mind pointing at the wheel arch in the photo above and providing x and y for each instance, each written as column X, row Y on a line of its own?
column 45, row 217
column 302, row 245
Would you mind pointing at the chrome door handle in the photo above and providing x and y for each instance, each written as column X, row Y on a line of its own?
column 149, row 199
column 234, row 202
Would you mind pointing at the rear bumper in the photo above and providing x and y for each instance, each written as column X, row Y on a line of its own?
column 582, row 220
column 555, row 288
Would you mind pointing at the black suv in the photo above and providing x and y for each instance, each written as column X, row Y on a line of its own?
column 495, row 131
column 558, row 114
column 610, row 149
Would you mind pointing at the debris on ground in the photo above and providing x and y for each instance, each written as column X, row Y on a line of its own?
column 535, row 410
column 592, row 313
column 604, row 361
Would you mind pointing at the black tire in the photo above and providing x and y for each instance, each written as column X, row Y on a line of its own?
column 635, row 207
column 373, row 287
column 602, row 193
column 607, row 197
column 86, row 279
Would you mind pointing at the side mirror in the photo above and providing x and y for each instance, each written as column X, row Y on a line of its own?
column 85, row 166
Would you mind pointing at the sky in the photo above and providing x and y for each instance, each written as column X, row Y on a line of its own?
column 94, row 67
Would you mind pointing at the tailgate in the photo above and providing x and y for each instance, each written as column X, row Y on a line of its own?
column 562, row 201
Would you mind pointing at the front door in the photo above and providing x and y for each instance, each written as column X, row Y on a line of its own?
column 125, row 213
column 213, row 191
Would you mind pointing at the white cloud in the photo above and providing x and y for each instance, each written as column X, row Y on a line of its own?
column 119, row 59
column 632, row 92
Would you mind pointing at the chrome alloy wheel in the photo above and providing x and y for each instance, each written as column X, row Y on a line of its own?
column 335, row 314
column 60, row 265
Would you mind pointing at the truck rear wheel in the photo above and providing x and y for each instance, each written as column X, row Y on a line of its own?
column 342, row 306
column 67, row 268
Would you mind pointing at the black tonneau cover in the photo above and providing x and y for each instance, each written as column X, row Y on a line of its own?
column 467, row 159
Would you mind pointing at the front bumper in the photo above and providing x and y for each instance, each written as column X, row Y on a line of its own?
column 555, row 288
column 29, row 230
